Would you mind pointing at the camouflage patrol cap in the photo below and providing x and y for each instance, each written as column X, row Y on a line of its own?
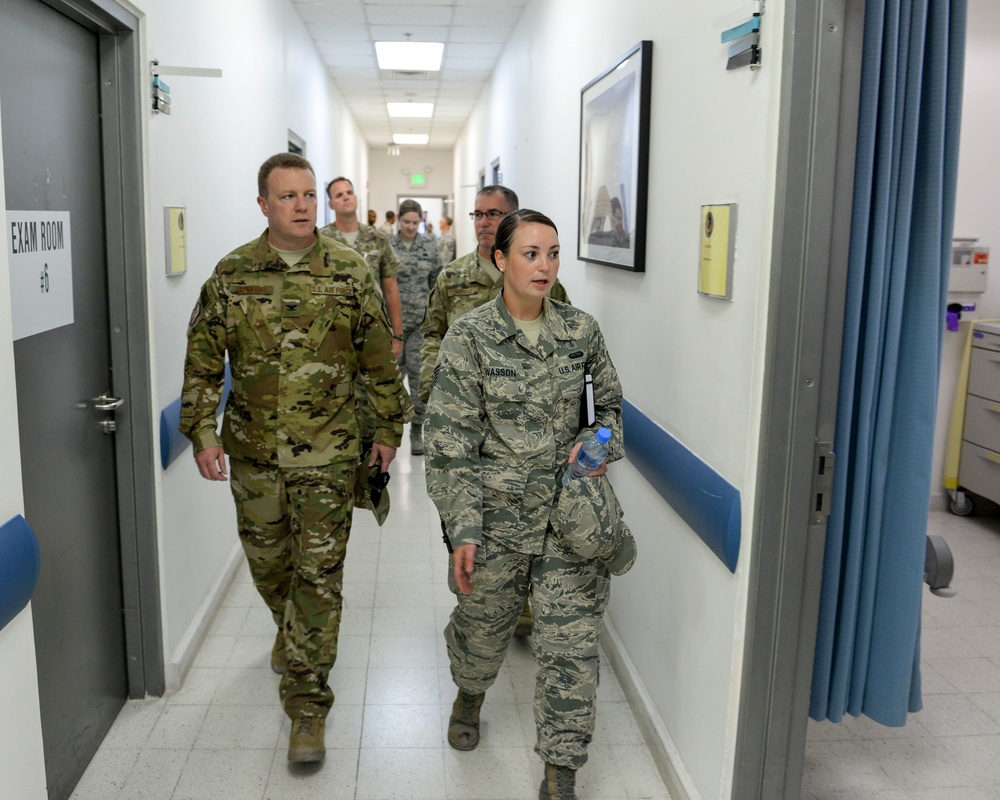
column 371, row 490
column 590, row 521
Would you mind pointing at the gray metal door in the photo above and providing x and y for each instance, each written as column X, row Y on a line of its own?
column 50, row 94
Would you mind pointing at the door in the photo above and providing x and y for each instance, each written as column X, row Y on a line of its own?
column 50, row 96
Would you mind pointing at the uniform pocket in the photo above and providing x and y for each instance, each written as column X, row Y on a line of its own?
column 248, row 326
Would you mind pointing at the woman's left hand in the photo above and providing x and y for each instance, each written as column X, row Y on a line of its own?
column 572, row 457
column 464, row 560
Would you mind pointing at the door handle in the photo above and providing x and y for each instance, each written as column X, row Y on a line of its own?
column 108, row 403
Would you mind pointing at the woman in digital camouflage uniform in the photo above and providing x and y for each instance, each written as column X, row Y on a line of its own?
column 502, row 421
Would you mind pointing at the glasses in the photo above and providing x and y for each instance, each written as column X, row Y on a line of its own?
column 491, row 214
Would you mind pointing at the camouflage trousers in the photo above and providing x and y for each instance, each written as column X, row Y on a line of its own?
column 409, row 368
column 294, row 525
column 363, row 409
column 568, row 598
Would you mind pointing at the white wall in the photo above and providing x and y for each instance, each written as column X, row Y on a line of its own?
column 22, row 765
column 388, row 180
column 694, row 365
column 204, row 156
column 976, row 205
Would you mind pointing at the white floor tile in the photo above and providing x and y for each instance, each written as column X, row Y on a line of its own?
column 243, row 687
column 177, row 727
column 251, row 652
column 491, row 773
column 107, row 773
column 228, row 620
column 240, row 728
column 155, row 775
column 401, row 774
column 402, row 686
column 216, row 774
column 403, row 621
column 397, row 727
column 134, row 723
column 335, row 779
column 406, row 651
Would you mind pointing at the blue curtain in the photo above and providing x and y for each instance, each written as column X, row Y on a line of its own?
column 868, row 645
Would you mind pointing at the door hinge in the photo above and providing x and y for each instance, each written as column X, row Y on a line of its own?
column 822, row 492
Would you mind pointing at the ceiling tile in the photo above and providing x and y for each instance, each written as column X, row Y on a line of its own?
column 408, row 14
column 332, row 13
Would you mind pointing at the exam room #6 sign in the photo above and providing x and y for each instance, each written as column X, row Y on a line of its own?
column 41, row 271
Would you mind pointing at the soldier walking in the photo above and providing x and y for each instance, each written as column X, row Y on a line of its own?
column 502, row 421
column 420, row 267
column 299, row 316
column 373, row 246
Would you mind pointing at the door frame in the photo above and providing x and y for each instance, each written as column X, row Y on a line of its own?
column 121, row 142
column 820, row 91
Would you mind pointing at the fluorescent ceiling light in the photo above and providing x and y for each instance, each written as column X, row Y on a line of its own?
column 410, row 56
column 410, row 109
column 410, row 138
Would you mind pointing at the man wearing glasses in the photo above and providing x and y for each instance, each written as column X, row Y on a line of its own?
column 465, row 284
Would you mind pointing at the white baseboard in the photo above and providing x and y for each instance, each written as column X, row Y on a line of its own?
column 180, row 660
column 658, row 739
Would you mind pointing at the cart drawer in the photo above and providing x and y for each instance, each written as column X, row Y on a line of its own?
column 984, row 374
column 982, row 422
column 979, row 471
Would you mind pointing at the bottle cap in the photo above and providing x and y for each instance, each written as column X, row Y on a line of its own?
column 603, row 435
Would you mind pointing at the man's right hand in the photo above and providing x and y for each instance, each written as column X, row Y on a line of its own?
column 211, row 463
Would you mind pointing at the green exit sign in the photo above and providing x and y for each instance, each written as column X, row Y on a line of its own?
column 417, row 179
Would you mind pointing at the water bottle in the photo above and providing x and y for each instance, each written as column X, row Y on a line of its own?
column 589, row 456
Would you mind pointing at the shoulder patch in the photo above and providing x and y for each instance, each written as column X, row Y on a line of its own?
column 195, row 313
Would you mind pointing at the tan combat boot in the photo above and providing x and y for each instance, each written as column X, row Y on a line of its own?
column 279, row 658
column 559, row 783
column 306, row 745
column 463, row 728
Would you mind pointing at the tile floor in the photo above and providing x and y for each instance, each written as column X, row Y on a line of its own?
column 223, row 736
column 950, row 750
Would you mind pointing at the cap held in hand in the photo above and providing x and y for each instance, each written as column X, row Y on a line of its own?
column 590, row 521
column 370, row 488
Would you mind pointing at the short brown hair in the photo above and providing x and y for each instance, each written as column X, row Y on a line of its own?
column 410, row 205
column 280, row 161
column 338, row 179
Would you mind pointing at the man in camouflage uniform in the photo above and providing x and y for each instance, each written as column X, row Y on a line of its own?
column 299, row 316
column 389, row 226
column 466, row 284
column 374, row 247
column 420, row 267
column 446, row 242
column 503, row 415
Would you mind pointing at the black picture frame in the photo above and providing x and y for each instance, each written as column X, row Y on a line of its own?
column 614, row 162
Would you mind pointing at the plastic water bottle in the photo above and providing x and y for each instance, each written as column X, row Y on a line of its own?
column 590, row 456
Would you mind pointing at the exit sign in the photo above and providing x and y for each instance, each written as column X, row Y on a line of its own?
column 417, row 179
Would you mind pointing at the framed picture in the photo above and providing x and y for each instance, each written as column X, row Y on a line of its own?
column 614, row 163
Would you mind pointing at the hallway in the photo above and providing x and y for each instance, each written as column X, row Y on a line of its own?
column 223, row 736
